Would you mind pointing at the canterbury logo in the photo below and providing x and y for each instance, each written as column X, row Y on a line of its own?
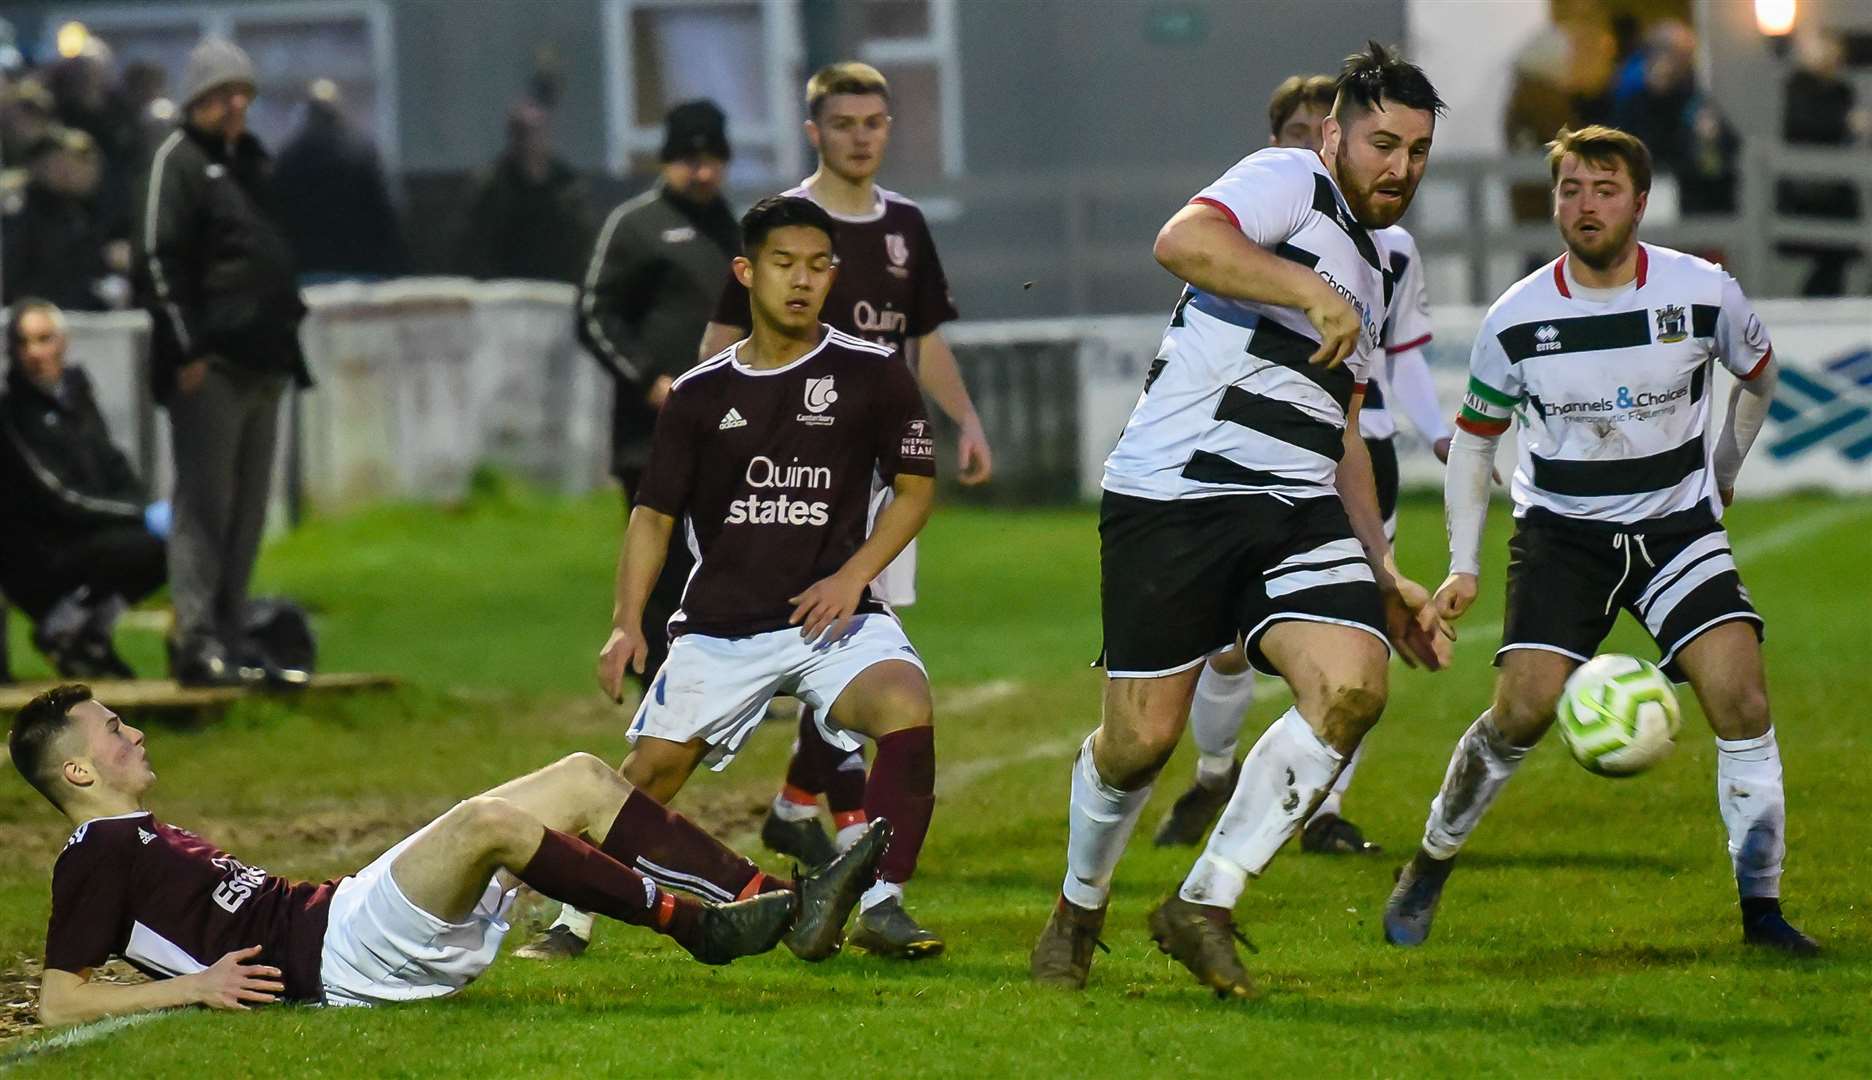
column 820, row 395
column 731, row 419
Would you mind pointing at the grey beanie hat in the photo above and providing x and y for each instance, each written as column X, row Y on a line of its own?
column 215, row 62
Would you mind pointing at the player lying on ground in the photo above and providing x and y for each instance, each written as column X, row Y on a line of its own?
column 1401, row 377
column 421, row 921
column 1617, row 502
column 1239, row 507
column 766, row 456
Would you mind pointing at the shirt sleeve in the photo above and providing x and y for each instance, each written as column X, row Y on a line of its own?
column 88, row 904
column 1407, row 323
column 933, row 303
column 1495, row 387
column 1741, row 339
column 732, row 308
column 1267, row 196
column 669, row 479
column 905, row 443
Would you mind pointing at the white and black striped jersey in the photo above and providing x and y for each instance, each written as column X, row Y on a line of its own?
column 1393, row 386
column 1231, row 404
column 1613, row 390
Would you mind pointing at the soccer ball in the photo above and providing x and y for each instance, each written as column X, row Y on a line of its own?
column 1619, row 715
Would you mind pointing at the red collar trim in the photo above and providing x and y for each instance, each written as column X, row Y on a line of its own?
column 1559, row 271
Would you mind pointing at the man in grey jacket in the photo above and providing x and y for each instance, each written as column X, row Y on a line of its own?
column 218, row 277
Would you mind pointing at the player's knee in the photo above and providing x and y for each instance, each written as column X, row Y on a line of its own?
column 1229, row 662
column 1524, row 713
column 1741, row 713
column 1351, row 708
column 588, row 768
column 494, row 821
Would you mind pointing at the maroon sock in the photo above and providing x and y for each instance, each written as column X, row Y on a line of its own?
column 845, row 789
column 814, row 760
column 672, row 850
column 573, row 872
column 903, row 791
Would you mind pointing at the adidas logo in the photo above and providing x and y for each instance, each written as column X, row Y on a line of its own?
column 731, row 419
column 145, row 835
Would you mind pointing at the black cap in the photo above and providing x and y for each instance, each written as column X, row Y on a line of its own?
column 695, row 127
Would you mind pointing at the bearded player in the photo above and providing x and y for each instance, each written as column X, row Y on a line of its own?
column 1400, row 378
column 421, row 921
column 1239, row 508
column 1618, row 501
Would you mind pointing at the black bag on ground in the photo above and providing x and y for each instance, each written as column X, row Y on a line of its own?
column 281, row 631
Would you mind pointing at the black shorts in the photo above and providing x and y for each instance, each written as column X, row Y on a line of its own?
column 1385, row 476
column 1182, row 579
column 1568, row 582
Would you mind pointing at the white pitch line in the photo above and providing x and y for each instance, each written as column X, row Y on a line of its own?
column 956, row 777
column 979, row 696
column 1799, row 531
column 78, row 1036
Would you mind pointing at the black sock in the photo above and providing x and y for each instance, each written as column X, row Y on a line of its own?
column 1755, row 908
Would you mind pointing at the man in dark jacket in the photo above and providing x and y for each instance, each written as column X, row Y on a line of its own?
column 526, row 216
column 55, row 244
column 647, row 293
column 333, row 197
column 220, row 283
column 81, row 540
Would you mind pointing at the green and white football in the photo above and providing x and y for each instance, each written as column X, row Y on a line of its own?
column 1618, row 715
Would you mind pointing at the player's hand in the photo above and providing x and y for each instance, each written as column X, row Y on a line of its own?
column 1441, row 449
column 1338, row 327
column 826, row 605
column 658, row 391
column 191, row 375
column 232, row 983
column 1454, row 597
column 974, row 461
column 625, row 648
column 1728, row 495
column 1419, row 639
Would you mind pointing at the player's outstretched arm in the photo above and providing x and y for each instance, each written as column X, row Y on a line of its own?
column 1417, row 641
column 1748, row 408
column 1465, row 511
column 646, row 545
column 1200, row 245
column 828, row 604
column 941, row 378
column 67, row 997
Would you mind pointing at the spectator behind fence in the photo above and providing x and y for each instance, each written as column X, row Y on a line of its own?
column 81, row 540
column 1657, row 99
column 56, row 245
column 648, row 291
column 334, row 200
column 527, row 215
column 221, row 286
column 1820, row 108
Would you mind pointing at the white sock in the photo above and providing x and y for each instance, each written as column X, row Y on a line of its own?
column 1483, row 762
column 880, row 892
column 1330, row 804
column 1099, row 821
column 849, row 835
column 1754, row 810
column 1288, row 770
column 787, row 810
column 574, row 920
column 1216, row 715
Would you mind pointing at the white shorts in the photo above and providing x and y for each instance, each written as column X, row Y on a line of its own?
column 380, row 948
column 895, row 584
column 717, row 689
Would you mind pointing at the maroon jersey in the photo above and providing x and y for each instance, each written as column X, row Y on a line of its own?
column 172, row 904
column 769, row 474
column 890, row 286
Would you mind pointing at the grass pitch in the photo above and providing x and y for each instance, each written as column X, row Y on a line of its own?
column 1589, row 930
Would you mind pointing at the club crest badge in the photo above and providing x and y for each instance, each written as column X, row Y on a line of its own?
column 1671, row 324
column 897, row 248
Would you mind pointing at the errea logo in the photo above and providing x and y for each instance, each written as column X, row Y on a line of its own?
column 1547, row 338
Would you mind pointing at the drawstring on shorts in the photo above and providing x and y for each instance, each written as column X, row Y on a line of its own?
column 1625, row 542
